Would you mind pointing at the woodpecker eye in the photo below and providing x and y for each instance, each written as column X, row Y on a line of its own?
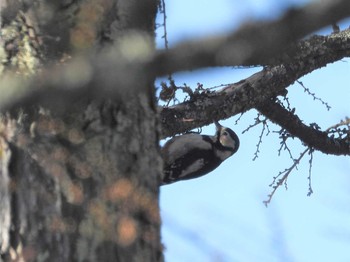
column 224, row 133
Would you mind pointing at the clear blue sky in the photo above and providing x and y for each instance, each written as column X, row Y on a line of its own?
column 220, row 217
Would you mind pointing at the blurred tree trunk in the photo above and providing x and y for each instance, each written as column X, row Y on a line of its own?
column 78, row 182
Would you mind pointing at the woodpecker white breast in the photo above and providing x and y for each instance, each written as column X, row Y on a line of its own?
column 193, row 155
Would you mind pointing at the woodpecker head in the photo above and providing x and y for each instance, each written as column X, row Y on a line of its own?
column 227, row 139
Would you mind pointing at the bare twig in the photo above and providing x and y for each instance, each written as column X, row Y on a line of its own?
column 284, row 135
column 309, row 135
column 307, row 90
column 345, row 122
column 277, row 182
column 257, row 121
column 239, row 118
column 265, row 127
column 286, row 100
column 311, row 151
column 162, row 9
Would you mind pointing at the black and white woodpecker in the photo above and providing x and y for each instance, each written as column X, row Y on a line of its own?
column 193, row 155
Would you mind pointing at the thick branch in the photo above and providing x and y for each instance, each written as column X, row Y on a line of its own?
column 104, row 73
column 311, row 137
column 237, row 98
column 255, row 43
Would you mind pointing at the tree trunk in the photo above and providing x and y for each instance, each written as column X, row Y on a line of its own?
column 79, row 182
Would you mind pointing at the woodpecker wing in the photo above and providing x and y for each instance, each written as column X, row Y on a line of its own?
column 188, row 156
column 191, row 165
column 181, row 145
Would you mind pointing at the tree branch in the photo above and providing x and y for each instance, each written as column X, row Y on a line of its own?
column 254, row 43
column 105, row 75
column 308, row 135
column 259, row 42
column 237, row 98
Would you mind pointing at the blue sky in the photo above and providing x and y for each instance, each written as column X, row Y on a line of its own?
column 220, row 217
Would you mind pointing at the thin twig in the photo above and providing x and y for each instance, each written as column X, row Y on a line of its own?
column 265, row 127
column 277, row 182
column 345, row 122
column 311, row 151
column 239, row 118
column 257, row 122
column 284, row 135
column 307, row 90
column 165, row 34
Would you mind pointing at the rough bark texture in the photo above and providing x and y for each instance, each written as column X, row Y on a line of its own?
column 79, row 183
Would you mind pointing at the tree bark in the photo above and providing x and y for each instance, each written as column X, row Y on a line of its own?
column 79, row 183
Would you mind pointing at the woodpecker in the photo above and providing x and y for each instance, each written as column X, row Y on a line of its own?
column 193, row 155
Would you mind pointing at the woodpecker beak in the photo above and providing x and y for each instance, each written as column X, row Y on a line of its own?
column 218, row 126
